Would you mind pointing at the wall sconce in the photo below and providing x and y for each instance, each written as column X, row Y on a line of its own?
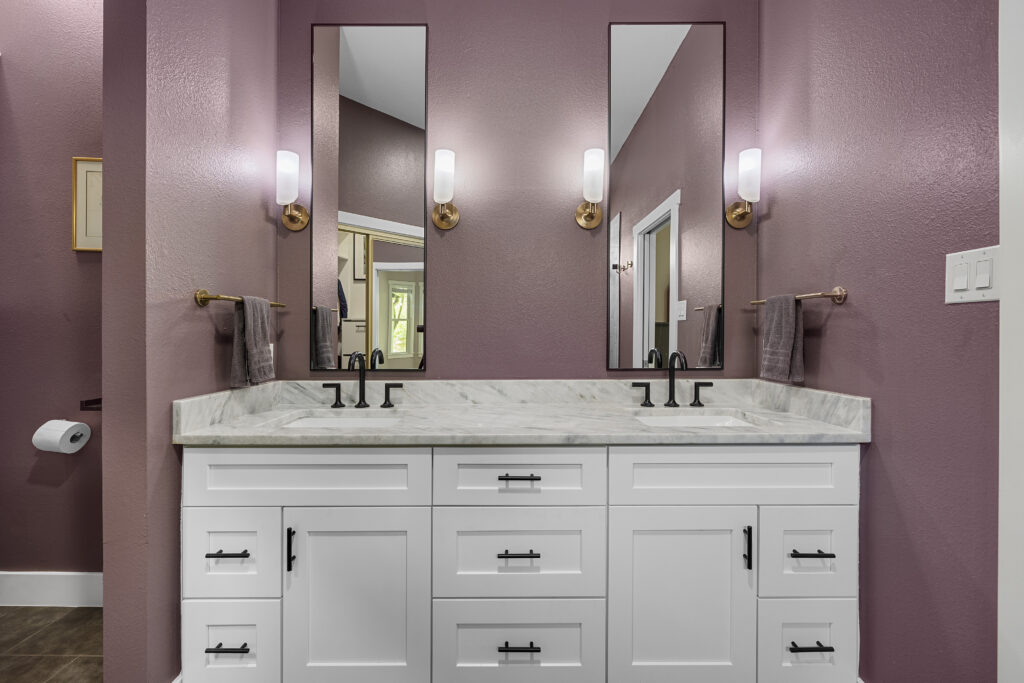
column 446, row 214
column 740, row 214
column 588, row 214
column 295, row 216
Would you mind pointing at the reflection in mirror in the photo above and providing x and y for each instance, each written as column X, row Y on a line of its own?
column 369, row 119
column 666, row 197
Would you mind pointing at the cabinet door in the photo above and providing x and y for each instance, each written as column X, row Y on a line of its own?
column 682, row 604
column 357, row 599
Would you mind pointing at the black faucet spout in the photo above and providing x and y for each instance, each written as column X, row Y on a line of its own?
column 654, row 357
column 360, row 360
column 376, row 359
column 677, row 358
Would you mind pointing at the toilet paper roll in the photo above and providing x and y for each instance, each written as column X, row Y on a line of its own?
column 61, row 436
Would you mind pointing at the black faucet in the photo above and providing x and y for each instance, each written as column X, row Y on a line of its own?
column 696, row 393
column 676, row 356
column 654, row 356
column 337, row 393
column 388, row 386
column 376, row 358
column 360, row 358
column 646, row 386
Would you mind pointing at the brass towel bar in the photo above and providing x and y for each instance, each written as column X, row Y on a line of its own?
column 838, row 296
column 333, row 310
column 701, row 308
column 203, row 298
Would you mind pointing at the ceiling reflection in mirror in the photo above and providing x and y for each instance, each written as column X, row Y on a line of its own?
column 369, row 142
column 665, row 216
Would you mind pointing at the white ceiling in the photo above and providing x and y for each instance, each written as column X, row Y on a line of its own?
column 384, row 67
column 640, row 54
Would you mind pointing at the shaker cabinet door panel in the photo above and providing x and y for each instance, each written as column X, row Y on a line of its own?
column 357, row 598
column 682, row 604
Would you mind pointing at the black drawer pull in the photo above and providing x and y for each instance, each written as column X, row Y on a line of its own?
column 518, row 556
column 221, row 650
column 221, row 555
column 820, row 555
column 821, row 648
column 519, row 477
column 506, row 648
column 288, row 552
column 748, row 557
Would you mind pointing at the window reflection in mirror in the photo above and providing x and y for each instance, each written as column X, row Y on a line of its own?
column 666, row 144
column 369, row 142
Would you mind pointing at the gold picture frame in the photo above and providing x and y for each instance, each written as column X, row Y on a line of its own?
column 87, row 203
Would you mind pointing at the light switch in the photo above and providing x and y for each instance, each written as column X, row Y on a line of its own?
column 960, row 273
column 971, row 275
column 681, row 309
column 983, row 278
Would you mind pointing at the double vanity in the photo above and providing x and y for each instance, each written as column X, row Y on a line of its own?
column 514, row 531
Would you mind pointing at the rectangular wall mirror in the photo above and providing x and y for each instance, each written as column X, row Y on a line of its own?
column 665, row 200
column 369, row 152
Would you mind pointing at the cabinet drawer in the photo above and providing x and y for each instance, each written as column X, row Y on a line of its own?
column 783, row 624
column 520, row 476
column 306, row 476
column 566, row 638
column 253, row 627
column 806, row 532
column 734, row 475
column 251, row 535
column 564, row 548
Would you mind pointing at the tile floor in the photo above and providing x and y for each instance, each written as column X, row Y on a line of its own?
column 51, row 644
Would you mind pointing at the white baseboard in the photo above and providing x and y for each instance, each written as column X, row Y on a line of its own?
column 60, row 589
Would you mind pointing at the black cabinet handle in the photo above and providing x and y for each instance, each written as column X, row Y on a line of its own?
column 748, row 556
column 518, row 477
column 820, row 648
column 221, row 555
column 290, row 557
column 820, row 555
column 506, row 648
column 221, row 650
column 518, row 556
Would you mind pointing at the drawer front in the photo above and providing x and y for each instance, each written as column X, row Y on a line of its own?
column 808, row 532
column 567, row 639
column 475, row 552
column 806, row 623
column 734, row 475
column 306, row 476
column 231, row 552
column 251, row 626
column 520, row 476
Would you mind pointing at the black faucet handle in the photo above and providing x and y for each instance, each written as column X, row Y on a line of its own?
column 646, row 386
column 696, row 393
column 337, row 393
column 388, row 386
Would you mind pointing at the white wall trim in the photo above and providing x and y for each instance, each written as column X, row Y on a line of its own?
column 667, row 209
column 614, row 273
column 58, row 589
column 380, row 225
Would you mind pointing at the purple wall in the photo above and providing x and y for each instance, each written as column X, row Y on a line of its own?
column 50, row 323
column 676, row 144
column 189, row 136
column 878, row 122
column 517, row 285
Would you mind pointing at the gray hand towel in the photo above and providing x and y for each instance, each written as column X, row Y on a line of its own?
column 251, row 361
column 782, row 354
column 709, row 338
column 326, row 346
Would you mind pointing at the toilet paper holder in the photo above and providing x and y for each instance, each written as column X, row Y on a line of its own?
column 91, row 404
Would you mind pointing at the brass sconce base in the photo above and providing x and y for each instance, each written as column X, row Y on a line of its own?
column 445, row 216
column 588, row 215
column 295, row 217
column 739, row 215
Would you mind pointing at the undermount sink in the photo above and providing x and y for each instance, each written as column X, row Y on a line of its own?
column 693, row 421
column 342, row 423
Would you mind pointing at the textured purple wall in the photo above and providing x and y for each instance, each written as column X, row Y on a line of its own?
column 51, row 104
column 517, row 289
column 676, row 144
column 189, row 131
column 878, row 122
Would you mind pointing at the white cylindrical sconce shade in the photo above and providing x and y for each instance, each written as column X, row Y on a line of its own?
column 287, row 177
column 593, row 175
column 749, row 180
column 444, row 176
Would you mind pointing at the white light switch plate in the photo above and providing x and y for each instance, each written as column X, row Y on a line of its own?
column 681, row 310
column 963, row 284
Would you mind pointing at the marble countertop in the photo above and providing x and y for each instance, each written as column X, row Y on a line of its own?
column 541, row 412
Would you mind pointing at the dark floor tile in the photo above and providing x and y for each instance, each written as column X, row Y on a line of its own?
column 79, row 632
column 82, row 670
column 18, row 623
column 18, row 669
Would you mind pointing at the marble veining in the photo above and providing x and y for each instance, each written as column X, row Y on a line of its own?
column 519, row 412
